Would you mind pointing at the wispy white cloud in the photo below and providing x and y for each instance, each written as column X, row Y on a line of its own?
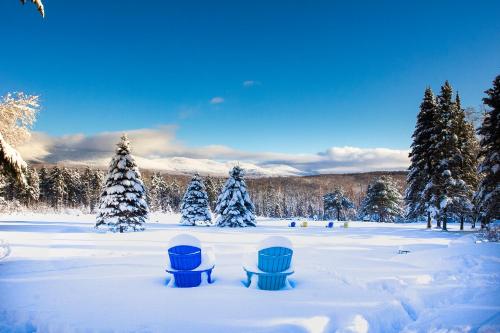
column 217, row 100
column 250, row 83
column 158, row 148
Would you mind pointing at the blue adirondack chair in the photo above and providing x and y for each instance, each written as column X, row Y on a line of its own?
column 273, row 264
column 188, row 262
column 329, row 225
column 293, row 224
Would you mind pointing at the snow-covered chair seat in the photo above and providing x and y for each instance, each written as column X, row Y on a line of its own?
column 188, row 261
column 274, row 263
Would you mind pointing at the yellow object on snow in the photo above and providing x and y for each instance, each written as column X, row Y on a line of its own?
column 346, row 224
column 303, row 224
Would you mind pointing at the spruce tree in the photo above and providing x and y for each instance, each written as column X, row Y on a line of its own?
column 336, row 203
column 194, row 206
column 421, row 167
column 122, row 205
column 234, row 206
column 92, row 181
column 488, row 194
column 160, row 201
column 57, row 190
column 383, row 202
column 174, row 193
column 444, row 157
column 213, row 187
column 32, row 190
column 74, row 187
column 44, row 185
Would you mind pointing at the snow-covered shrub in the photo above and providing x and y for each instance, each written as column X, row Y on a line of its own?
column 491, row 233
column 4, row 249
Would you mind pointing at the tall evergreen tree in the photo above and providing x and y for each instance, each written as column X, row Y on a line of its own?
column 469, row 147
column 92, row 182
column 174, row 192
column 337, row 203
column 213, row 187
column 159, row 192
column 488, row 194
column 194, row 206
column 421, row 167
column 57, row 190
column 123, row 204
column 445, row 156
column 32, row 190
column 44, row 177
column 383, row 202
column 74, row 187
column 234, row 206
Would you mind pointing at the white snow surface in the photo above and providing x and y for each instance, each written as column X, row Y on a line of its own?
column 184, row 239
column 63, row 276
column 275, row 241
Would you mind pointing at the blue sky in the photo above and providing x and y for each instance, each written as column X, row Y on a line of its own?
column 325, row 73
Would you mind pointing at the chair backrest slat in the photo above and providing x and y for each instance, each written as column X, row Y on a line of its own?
column 275, row 259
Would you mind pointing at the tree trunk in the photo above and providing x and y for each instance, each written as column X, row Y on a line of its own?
column 461, row 223
column 473, row 223
column 483, row 223
column 338, row 214
column 445, row 221
column 429, row 220
column 439, row 222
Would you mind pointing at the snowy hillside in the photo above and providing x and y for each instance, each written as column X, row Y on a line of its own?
column 62, row 276
column 186, row 165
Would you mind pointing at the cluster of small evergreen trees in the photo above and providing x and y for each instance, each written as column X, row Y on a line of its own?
column 123, row 202
column 443, row 175
column 56, row 188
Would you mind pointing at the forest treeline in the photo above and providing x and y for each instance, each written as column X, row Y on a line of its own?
column 58, row 187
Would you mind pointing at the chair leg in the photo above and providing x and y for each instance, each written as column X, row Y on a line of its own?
column 209, row 276
column 249, row 279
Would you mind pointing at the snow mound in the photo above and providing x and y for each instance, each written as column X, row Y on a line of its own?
column 275, row 241
column 4, row 249
column 184, row 239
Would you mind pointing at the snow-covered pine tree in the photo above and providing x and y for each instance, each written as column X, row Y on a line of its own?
column 456, row 204
column 234, row 206
column 44, row 177
column 74, row 187
column 174, row 193
column 92, row 181
column 383, row 202
column 444, row 155
column 421, row 168
column 122, row 206
column 160, row 200
column 32, row 191
column 58, row 189
column 336, row 203
column 488, row 194
column 468, row 145
column 194, row 206
column 213, row 187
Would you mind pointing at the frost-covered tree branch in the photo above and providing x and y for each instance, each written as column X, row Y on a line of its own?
column 39, row 6
column 17, row 115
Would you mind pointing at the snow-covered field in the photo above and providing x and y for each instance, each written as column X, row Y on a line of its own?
column 62, row 276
